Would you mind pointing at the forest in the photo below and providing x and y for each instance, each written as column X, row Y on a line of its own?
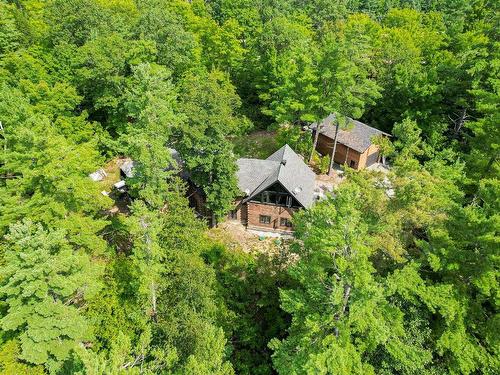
column 371, row 283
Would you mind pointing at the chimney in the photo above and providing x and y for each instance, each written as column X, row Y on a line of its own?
column 283, row 162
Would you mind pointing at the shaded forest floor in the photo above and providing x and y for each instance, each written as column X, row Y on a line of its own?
column 258, row 145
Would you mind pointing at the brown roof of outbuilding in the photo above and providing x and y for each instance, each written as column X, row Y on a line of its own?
column 357, row 137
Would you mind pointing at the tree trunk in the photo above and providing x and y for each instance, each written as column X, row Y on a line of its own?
column 459, row 123
column 152, row 286
column 334, row 147
column 347, row 293
column 315, row 142
column 340, row 314
column 2, row 129
column 153, row 301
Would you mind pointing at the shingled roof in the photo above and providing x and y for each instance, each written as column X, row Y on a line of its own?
column 285, row 167
column 358, row 137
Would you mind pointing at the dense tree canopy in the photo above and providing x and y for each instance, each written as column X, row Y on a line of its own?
column 393, row 273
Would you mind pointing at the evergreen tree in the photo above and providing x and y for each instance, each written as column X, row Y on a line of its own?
column 345, row 70
column 395, row 273
column 341, row 313
column 45, row 284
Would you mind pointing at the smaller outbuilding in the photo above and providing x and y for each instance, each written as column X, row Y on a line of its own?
column 355, row 145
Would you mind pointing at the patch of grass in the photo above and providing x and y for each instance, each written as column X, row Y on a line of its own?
column 258, row 145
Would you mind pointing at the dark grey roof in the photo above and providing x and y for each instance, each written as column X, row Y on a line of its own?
column 285, row 167
column 253, row 172
column 358, row 136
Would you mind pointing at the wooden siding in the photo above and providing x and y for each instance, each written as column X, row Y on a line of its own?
column 346, row 155
column 275, row 212
column 249, row 215
column 239, row 213
column 370, row 156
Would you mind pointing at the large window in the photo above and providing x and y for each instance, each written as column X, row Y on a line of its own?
column 264, row 219
column 276, row 195
column 284, row 222
column 267, row 197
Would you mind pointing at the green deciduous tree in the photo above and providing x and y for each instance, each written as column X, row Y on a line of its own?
column 210, row 105
column 408, row 142
column 45, row 176
column 177, row 47
column 287, row 76
column 345, row 73
column 249, row 284
column 410, row 63
column 175, row 290
column 396, row 273
column 101, row 68
column 78, row 21
column 10, row 36
column 10, row 364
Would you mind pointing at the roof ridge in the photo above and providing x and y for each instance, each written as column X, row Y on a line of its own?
column 290, row 174
column 358, row 122
column 280, row 163
column 285, row 148
column 269, row 175
column 255, row 159
column 279, row 166
column 282, row 149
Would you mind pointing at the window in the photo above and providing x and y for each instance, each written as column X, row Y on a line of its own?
column 264, row 219
column 284, row 222
column 275, row 195
column 352, row 164
column 266, row 198
column 281, row 199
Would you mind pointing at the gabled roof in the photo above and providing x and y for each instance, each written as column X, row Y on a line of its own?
column 253, row 172
column 358, row 136
column 285, row 167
